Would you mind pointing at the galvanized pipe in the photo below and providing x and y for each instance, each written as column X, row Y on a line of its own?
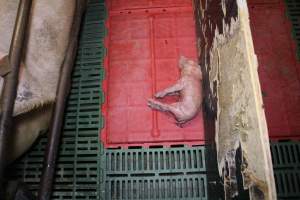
column 58, row 115
column 11, row 82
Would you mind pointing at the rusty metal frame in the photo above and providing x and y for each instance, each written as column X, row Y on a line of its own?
column 11, row 82
column 63, row 88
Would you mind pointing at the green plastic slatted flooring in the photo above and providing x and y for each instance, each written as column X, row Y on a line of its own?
column 286, row 163
column 87, row 171
column 293, row 12
column 160, row 173
column 286, row 155
column 78, row 174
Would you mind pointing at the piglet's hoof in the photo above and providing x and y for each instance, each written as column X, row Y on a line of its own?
column 153, row 104
column 159, row 95
column 179, row 124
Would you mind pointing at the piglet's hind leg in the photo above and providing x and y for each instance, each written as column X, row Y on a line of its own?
column 173, row 108
column 158, row 105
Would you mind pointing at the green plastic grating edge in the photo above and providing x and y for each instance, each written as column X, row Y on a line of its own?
column 286, row 164
column 78, row 173
column 293, row 12
column 156, row 173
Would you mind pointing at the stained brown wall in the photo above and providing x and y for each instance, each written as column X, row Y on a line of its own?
column 233, row 105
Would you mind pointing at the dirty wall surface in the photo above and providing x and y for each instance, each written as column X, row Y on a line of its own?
column 233, row 96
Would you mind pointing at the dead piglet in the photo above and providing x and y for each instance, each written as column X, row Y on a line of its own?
column 189, row 87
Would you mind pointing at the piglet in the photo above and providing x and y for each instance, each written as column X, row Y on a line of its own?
column 189, row 87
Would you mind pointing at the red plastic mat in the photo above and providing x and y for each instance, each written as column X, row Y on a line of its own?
column 278, row 68
column 144, row 43
column 122, row 5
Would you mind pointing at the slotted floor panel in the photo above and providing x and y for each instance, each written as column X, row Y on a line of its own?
column 156, row 173
column 286, row 164
column 78, row 172
column 163, row 187
column 158, row 161
column 293, row 11
column 144, row 46
column 85, row 170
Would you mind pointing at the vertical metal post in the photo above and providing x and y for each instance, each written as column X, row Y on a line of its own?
column 57, row 118
column 11, row 82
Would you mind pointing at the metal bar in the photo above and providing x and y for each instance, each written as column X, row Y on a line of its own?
column 57, row 118
column 11, row 82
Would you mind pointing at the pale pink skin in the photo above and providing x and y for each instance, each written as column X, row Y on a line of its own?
column 189, row 87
